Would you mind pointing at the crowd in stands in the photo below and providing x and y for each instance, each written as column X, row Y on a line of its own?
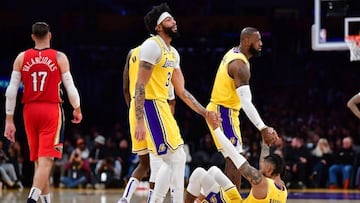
column 315, row 158
column 320, row 147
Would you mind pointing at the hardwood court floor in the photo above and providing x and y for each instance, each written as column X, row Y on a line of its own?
column 112, row 195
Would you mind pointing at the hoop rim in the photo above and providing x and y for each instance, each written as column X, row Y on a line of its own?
column 353, row 38
column 353, row 42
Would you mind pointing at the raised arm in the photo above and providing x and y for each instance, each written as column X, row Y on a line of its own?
column 352, row 104
column 265, row 151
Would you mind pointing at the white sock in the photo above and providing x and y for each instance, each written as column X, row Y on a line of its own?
column 130, row 188
column 34, row 193
column 45, row 198
column 209, row 184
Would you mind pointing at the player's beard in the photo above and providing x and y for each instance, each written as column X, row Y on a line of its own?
column 254, row 51
column 171, row 33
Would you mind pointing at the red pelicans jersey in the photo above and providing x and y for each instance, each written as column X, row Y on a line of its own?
column 41, row 76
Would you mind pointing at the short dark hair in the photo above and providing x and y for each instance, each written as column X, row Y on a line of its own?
column 40, row 29
column 152, row 16
column 277, row 162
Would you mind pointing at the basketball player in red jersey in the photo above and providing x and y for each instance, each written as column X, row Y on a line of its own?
column 41, row 70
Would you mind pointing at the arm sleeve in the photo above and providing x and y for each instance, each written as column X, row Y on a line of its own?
column 245, row 97
column 71, row 90
column 11, row 92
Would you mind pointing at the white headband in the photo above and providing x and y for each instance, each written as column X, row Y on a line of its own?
column 162, row 17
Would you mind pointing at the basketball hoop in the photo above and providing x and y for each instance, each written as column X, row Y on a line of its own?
column 353, row 42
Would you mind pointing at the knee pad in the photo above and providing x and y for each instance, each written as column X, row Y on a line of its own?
column 213, row 170
column 220, row 178
column 194, row 185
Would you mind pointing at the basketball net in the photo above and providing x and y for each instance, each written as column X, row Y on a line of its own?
column 353, row 42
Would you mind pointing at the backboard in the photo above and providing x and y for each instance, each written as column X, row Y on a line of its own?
column 333, row 20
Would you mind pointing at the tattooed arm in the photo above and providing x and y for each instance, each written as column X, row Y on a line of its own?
column 257, row 180
column 145, row 70
column 255, row 177
column 265, row 151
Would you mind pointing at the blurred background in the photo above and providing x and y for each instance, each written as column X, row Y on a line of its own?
column 301, row 92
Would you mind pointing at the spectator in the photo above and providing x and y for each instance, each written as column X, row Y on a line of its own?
column 207, row 155
column 133, row 162
column 253, row 154
column 297, row 157
column 108, row 172
column 278, row 147
column 321, row 155
column 98, row 152
column 7, row 170
column 16, row 158
column 81, row 152
column 124, row 155
column 343, row 160
column 60, row 165
column 76, row 172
